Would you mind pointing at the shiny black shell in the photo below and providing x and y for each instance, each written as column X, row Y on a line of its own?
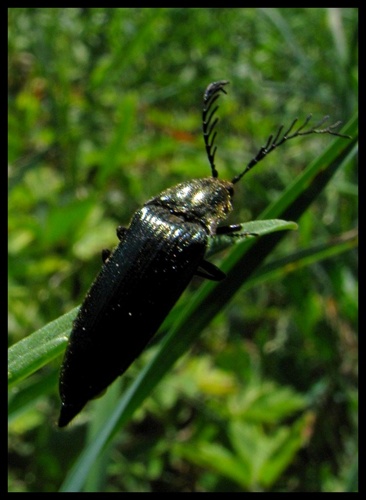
column 138, row 285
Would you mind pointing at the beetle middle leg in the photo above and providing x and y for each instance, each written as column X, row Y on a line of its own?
column 209, row 271
column 105, row 254
column 121, row 232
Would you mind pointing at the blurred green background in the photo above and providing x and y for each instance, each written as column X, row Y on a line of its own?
column 104, row 113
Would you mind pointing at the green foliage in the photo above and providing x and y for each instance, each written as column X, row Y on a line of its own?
column 104, row 112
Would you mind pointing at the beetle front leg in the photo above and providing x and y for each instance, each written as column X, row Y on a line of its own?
column 121, row 232
column 233, row 230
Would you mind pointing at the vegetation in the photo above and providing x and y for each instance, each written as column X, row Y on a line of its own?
column 104, row 113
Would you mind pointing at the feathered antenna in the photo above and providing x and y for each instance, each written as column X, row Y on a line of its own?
column 209, row 123
column 209, row 98
column 275, row 141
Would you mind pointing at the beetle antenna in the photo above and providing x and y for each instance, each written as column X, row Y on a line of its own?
column 274, row 142
column 208, row 126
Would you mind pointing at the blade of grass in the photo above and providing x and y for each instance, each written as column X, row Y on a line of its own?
column 297, row 260
column 36, row 387
column 36, row 350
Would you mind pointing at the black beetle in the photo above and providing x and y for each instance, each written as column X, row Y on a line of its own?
column 158, row 254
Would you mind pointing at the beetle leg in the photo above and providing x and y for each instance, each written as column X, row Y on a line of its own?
column 210, row 271
column 105, row 254
column 121, row 231
column 233, row 230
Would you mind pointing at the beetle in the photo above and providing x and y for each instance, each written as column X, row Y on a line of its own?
column 158, row 254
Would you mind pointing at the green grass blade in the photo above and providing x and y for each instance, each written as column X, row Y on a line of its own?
column 39, row 348
column 21, row 399
column 303, row 258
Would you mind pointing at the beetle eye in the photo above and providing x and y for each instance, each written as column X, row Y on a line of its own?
column 231, row 191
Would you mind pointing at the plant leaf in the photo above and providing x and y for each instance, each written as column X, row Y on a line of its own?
column 39, row 348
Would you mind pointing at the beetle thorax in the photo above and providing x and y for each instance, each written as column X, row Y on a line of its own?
column 206, row 201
